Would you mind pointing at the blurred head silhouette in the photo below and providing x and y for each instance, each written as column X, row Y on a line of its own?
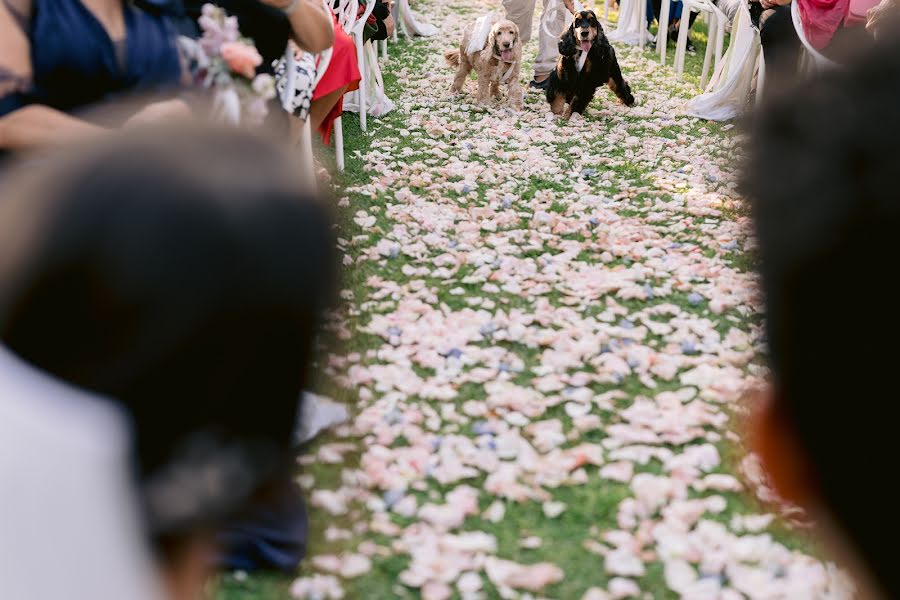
column 179, row 277
column 823, row 177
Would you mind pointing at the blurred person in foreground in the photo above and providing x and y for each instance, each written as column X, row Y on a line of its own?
column 822, row 175
column 159, row 299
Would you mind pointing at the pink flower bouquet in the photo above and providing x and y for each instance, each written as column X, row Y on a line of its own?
column 225, row 62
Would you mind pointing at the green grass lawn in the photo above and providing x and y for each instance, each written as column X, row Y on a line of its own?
column 592, row 507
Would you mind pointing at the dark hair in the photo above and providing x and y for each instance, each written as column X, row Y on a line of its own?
column 822, row 173
column 183, row 275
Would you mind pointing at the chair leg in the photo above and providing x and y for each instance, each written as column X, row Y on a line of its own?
column 681, row 47
column 663, row 33
column 306, row 151
column 384, row 51
column 710, row 43
column 720, row 38
column 606, row 4
column 338, row 131
column 642, row 25
column 363, row 92
column 760, row 77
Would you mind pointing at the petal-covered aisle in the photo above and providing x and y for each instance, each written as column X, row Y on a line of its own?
column 549, row 333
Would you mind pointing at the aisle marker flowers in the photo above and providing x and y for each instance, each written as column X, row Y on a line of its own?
column 225, row 62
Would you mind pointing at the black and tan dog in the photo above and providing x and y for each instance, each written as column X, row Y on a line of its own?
column 568, row 84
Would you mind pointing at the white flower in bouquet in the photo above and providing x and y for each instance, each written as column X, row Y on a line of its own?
column 226, row 63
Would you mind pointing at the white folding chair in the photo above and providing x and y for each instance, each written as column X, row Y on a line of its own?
column 662, row 35
column 381, row 51
column 716, row 20
column 760, row 76
column 725, row 97
column 305, row 141
column 354, row 26
column 384, row 42
column 396, row 14
column 642, row 18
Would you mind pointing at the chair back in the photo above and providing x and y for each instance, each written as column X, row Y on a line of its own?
column 819, row 60
column 322, row 62
column 348, row 15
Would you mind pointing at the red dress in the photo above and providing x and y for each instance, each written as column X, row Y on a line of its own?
column 343, row 70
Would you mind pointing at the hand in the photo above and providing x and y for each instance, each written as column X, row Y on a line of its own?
column 280, row 4
column 389, row 25
column 310, row 22
column 570, row 4
column 773, row 3
column 156, row 112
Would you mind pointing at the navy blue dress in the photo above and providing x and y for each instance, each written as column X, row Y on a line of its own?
column 76, row 64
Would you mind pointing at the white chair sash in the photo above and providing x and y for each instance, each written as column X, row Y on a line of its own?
column 727, row 92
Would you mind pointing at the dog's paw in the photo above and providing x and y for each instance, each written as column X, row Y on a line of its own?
column 628, row 99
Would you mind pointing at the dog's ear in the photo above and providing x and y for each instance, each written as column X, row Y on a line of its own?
column 490, row 47
column 567, row 45
column 517, row 44
column 601, row 43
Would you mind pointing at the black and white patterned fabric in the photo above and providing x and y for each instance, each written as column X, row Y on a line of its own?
column 304, row 83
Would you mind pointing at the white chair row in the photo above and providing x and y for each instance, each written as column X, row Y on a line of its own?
column 353, row 24
column 717, row 23
column 726, row 95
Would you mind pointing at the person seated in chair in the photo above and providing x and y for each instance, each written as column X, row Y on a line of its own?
column 59, row 57
column 828, row 26
column 159, row 298
column 822, row 180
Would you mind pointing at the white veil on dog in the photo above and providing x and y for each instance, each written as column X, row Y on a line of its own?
column 481, row 32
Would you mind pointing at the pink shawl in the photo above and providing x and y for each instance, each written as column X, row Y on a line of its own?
column 821, row 18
